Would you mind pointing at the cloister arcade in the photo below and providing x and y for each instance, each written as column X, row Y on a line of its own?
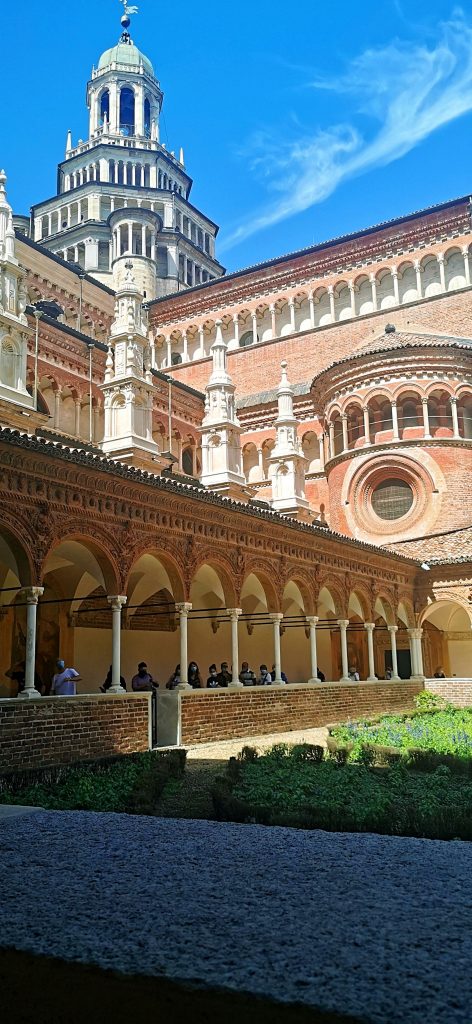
column 320, row 305
column 164, row 618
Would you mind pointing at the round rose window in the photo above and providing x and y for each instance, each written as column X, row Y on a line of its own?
column 392, row 499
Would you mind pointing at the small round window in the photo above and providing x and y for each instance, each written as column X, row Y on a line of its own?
column 392, row 499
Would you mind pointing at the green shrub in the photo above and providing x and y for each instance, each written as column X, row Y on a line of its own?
column 427, row 701
column 307, row 752
column 367, row 755
column 248, row 754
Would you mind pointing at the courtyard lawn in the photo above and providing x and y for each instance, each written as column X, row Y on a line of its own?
column 303, row 789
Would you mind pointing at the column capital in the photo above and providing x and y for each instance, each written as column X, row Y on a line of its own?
column 369, row 626
column 344, row 416
column 453, row 399
column 415, row 633
column 276, row 616
column 234, row 613
column 117, row 601
column 440, row 257
column 291, row 301
column 392, row 629
column 424, row 399
column 32, row 594
column 393, row 402
column 272, row 307
column 183, row 608
column 235, row 319
column 330, row 289
column 312, row 620
column 343, row 623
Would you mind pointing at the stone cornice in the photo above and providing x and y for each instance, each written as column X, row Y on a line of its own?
column 400, row 445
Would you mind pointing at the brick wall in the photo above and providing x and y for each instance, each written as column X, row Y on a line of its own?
column 64, row 730
column 215, row 715
column 457, row 691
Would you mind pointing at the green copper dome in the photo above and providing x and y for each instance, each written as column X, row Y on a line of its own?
column 125, row 53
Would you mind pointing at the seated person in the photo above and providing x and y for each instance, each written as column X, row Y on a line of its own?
column 321, row 676
column 439, row 673
column 353, row 674
column 212, row 681
column 246, row 675
column 224, row 677
column 282, row 675
column 143, row 682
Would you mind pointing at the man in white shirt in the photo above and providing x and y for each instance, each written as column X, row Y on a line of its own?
column 353, row 674
column 63, row 683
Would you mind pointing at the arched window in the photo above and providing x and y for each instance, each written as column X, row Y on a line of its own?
column 246, row 339
column 147, row 118
column 127, row 112
column 409, row 414
column 8, row 367
column 187, row 461
column 104, row 107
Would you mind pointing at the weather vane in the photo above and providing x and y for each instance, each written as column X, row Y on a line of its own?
column 128, row 11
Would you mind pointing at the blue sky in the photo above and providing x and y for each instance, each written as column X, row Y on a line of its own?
column 298, row 123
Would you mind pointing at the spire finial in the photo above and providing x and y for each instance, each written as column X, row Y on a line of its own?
column 126, row 19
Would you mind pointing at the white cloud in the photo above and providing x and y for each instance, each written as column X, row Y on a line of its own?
column 405, row 91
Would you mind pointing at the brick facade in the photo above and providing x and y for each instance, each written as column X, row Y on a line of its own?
column 67, row 730
column 457, row 691
column 210, row 716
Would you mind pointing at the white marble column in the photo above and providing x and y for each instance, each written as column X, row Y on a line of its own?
column 169, row 350
column 393, row 641
column 465, row 253
column 418, row 272
column 396, row 435
column 260, row 459
column 236, row 328
column 416, row 653
column 254, row 328
column 185, row 347
column 455, row 418
column 352, row 290
column 31, row 596
column 366, row 426
column 331, row 440
column 345, row 433
column 373, row 285
column 57, row 409
column 343, row 624
column 234, row 614
column 312, row 621
column 369, row 627
column 312, row 309
column 427, row 433
column 273, row 326
column 201, row 336
column 276, row 618
column 442, row 271
column 77, row 417
column 396, row 290
column 116, row 603
column 183, row 610
column 291, row 306
column 331, row 302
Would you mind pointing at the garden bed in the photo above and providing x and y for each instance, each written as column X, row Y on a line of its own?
column 301, row 787
column 130, row 784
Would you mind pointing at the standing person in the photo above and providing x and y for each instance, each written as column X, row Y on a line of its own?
column 321, row 676
column 353, row 675
column 212, row 681
column 194, row 678
column 282, row 675
column 265, row 678
column 63, row 682
column 174, row 679
column 246, row 675
column 108, row 681
column 225, row 676
column 143, row 682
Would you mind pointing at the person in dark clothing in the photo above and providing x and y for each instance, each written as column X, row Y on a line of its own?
column 224, row 677
column 321, row 676
column 108, row 681
column 282, row 675
column 194, row 678
column 143, row 682
column 212, row 681
column 174, row 679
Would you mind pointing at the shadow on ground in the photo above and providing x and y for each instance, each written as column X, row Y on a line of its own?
column 46, row 991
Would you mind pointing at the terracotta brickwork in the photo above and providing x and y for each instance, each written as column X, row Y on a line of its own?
column 67, row 730
column 207, row 717
column 456, row 691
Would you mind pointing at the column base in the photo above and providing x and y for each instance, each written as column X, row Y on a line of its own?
column 314, row 680
column 345, row 679
column 183, row 686
column 235, row 686
column 28, row 695
column 371, row 679
column 394, row 679
column 278, row 682
column 116, row 689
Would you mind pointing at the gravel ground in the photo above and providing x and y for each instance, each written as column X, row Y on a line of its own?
column 374, row 926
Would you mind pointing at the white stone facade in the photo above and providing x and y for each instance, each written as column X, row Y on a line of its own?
column 14, row 330
column 221, row 430
column 287, row 461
